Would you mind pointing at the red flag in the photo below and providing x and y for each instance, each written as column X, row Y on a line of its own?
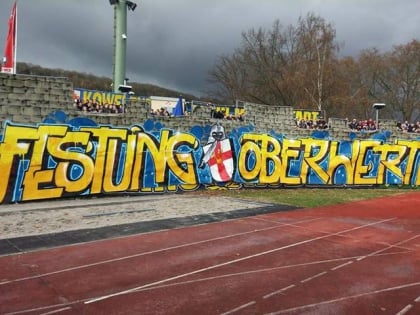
column 9, row 59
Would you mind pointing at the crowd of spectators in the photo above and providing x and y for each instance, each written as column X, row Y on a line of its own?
column 164, row 112
column 91, row 106
column 221, row 114
column 311, row 124
column 409, row 127
column 370, row 125
column 365, row 125
column 160, row 112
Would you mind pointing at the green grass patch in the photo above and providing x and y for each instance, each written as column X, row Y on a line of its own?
column 311, row 197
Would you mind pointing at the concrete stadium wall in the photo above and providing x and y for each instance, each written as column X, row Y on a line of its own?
column 31, row 99
column 50, row 149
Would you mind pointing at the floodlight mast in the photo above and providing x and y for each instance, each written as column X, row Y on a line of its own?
column 120, row 41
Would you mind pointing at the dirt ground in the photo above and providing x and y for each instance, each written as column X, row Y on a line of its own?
column 34, row 218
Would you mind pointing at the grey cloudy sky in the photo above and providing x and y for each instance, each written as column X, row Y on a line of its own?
column 173, row 43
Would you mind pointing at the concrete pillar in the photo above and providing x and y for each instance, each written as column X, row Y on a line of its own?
column 120, row 42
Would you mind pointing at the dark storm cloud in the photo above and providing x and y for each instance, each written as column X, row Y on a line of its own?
column 174, row 43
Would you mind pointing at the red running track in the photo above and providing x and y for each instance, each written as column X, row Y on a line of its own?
column 356, row 258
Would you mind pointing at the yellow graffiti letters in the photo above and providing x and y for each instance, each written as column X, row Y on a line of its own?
column 39, row 180
column 52, row 161
column 291, row 152
column 315, row 151
column 106, row 140
column 249, row 149
column 165, row 157
column 391, row 157
column 412, row 169
column 337, row 160
column 111, row 183
column 363, row 172
column 182, row 163
column 66, row 151
column 16, row 144
column 265, row 150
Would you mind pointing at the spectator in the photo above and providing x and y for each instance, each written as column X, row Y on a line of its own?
column 353, row 125
column 219, row 114
column 212, row 110
column 95, row 106
column 321, row 123
column 371, row 125
column 409, row 127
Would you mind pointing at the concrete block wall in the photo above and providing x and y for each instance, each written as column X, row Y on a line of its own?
column 30, row 99
column 266, row 118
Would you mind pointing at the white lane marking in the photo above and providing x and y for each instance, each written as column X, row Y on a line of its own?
column 405, row 310
column 57, row 311
column 313, row 277
column 278, row 291
column 418, row 299
column 213, row 278
column 239, row 308
column 302, row 307
column 137, row 255
column 379, row 252
column 237, row 274
column 388, row 247
column 43, row 308
column 229, row 262
column 248, row 272
column 241, row 274
column 288, row 223
column 296, row 224
column 341, row 266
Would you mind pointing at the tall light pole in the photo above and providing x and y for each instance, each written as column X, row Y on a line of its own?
column 120, row 43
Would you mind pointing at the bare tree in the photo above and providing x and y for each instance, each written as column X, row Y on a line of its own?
column 402, row 81
column 281, row 66
column 350, row 96
column 393, row 78
column 317, row 50
column 297, row 66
